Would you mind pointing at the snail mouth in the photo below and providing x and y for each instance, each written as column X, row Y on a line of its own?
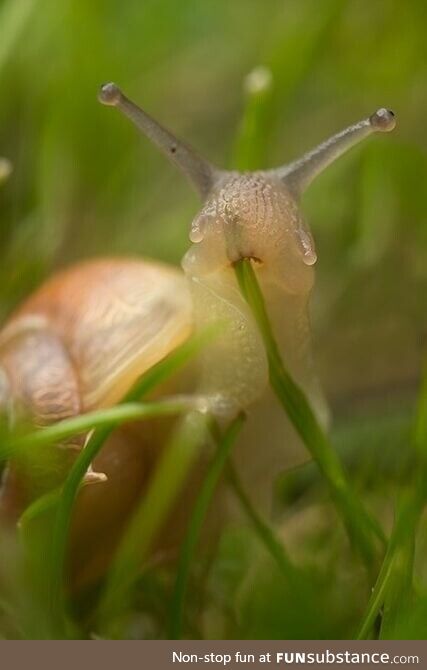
column 248, row 257
column 255, row 260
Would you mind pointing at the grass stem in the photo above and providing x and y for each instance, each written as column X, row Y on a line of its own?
column 363, row 530
column 146, row 384
column 167, row 481
column 198, row 515
column 394, row 581
column 99, row 419
column 262, row 529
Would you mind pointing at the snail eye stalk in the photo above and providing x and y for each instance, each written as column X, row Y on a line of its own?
column 199, row 171
column 299, row 174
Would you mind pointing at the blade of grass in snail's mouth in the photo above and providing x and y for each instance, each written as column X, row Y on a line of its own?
column 363, row 530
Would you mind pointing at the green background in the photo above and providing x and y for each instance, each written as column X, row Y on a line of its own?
column 84, row 184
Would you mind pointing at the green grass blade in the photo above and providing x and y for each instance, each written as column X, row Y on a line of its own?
column 400, row 588
column 43, row 504
column 167, row 367
column 421, row 423
column 106, row 418
column 168, row 479
column 250, row 145
column 201, row 505
column 377, row 598
column 404, row 520
column 362, row 529
column 394, row 583
column 69, row 493
column 262, row 529
column 5, row 169
column 14, row 16
column 147, row 383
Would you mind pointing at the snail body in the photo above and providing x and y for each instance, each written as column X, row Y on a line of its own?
column 82, row 340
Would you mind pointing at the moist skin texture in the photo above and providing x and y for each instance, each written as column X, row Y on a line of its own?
column 254, row 216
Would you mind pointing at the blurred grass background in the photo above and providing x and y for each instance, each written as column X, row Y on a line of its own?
column 84, row 184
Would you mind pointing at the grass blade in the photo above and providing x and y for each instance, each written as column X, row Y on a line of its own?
column 400, row 588
column 71, row 488
column 362, row 529
column 105, row 418
column 39, row 507
column 167, row 481
column 264, row 532
column 394, row 583
column 167, row 367
column 404, row 519
column 250, row 143
column 14, row 16
column 5, row 169
column 147, row 383
column 204, row 498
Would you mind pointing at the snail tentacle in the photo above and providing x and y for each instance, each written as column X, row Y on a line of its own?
column 299, row 174
column 202, row 174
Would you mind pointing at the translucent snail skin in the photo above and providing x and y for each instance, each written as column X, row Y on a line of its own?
column 253, row 215
column 85, row 336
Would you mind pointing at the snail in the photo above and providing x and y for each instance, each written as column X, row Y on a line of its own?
column 83, row 338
